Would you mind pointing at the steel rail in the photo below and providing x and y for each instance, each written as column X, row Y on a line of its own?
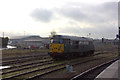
column 91, row 70
column 42, row 69
column 17, row 61
column 29, row 65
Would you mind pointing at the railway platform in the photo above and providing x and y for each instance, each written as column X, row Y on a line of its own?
column 112, row 72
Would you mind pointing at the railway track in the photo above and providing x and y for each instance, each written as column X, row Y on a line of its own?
column 31, row 72
column 10, row 61
column 23, row 59
column 93, row 72
column 31, row 69
column 24, row 56
column 26, row 65
column 33, row 55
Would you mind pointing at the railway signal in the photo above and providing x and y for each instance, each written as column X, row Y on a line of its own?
column 117, row 36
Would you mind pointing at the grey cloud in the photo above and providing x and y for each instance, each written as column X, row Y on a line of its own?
column 73, row 13
column 90, row 13
column 107, row 11
column 42, row 15
column 103, row 17
column 100, row 16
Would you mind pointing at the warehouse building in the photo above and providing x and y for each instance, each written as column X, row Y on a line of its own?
column 29, row 41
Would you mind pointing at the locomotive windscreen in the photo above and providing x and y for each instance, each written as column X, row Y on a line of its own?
column 56, row 41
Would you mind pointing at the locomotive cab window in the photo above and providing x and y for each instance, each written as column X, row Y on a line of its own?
column 56, row 41
column 51, row 41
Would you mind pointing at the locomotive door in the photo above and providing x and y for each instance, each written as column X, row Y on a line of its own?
column 66, row 45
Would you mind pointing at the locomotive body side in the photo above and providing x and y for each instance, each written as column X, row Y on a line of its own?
column 67, row 47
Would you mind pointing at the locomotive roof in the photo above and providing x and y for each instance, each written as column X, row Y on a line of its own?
column 74, row 38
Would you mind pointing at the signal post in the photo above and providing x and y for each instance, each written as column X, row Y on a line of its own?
column 119, row 28
column 119, row 43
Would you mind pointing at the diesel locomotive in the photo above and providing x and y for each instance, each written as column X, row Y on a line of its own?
column 70, row 46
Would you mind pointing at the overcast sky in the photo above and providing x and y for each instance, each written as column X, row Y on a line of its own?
column 67, row 17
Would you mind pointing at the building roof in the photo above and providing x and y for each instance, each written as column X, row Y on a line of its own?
column 74, row 37
column 24, row 37
column 33, row 38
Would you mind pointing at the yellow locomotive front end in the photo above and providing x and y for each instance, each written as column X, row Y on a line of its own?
column 56, row 48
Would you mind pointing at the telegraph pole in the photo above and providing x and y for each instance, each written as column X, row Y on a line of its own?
column 3, row 34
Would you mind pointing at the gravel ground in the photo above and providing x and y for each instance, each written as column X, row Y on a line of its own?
column 77, row 68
